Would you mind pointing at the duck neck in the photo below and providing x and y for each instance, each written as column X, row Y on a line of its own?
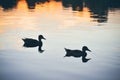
column 84, row 53
column 40, row 43
column 40, row 40
column 83, row 50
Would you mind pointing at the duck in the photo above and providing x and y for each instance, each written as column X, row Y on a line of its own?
column 77, row 53
column 29, row 42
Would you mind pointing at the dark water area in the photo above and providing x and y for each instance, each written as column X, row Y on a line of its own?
column 59, row 39
column 98, row 8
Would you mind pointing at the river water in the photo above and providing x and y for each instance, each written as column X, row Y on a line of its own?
column 68, row 24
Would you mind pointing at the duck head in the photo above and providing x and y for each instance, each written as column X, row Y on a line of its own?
column 41, row 37
column 85, row 48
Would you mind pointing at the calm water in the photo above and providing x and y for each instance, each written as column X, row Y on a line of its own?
column 65, row 24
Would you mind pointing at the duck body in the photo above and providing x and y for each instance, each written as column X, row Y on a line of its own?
column 74, row 53
column 29, row 42
column 77, row 53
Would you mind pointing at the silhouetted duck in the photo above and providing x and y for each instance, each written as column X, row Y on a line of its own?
column 29, row 42
column 77, row 53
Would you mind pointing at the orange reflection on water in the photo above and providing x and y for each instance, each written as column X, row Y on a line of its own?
column 47, row 6
column 22, row 5
column 43, row 14
column 23, row 18
column 51, row 7
column 85, row 13
column 77, row 19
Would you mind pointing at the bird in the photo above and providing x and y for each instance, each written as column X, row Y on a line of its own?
column 29, row 42
column 77, row 53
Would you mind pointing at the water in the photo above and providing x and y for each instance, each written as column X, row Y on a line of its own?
column 64, row 24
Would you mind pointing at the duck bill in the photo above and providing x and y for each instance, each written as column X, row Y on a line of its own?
column 44, row 38
column 89, row 50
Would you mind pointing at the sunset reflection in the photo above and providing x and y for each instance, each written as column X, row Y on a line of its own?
column 69, row 24
column 22, row 5
column 28, row 19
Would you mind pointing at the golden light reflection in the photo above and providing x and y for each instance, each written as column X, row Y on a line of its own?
column 49, row 7
column 80, row 18
column 85, row 13
column 49, row 13
column 22, row 5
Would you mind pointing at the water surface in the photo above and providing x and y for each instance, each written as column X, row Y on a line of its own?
column 65, row 24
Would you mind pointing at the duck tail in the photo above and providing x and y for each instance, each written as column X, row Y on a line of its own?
column 23, row 39
column 67, row 50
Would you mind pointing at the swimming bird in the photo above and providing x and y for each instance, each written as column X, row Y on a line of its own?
column 29, row 42
column 77, row 53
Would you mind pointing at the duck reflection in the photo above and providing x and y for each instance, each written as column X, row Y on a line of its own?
column 78, row 53
column 29, row 42
column 84, row 59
